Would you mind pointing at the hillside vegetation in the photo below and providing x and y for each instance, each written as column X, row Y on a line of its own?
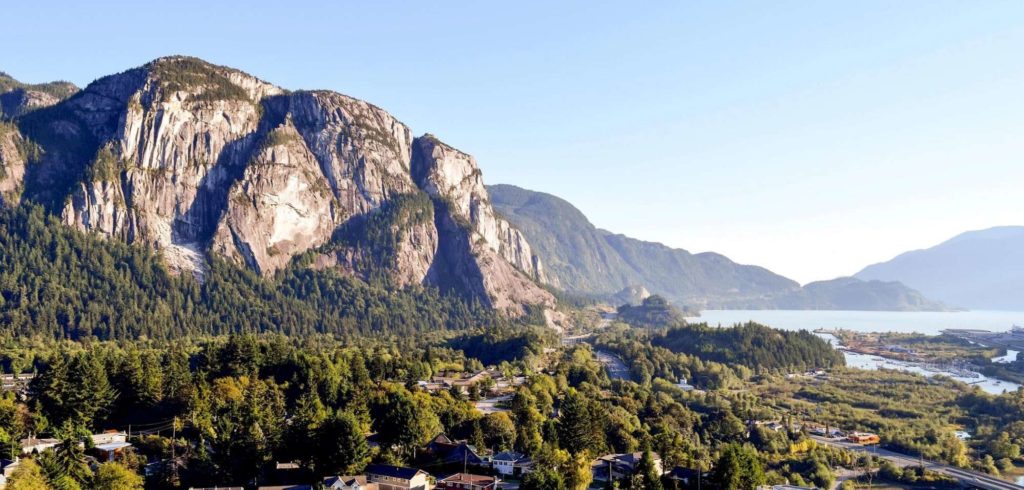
column 62, row 283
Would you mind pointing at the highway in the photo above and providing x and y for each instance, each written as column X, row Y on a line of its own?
column 615, row 367
column 973, row 478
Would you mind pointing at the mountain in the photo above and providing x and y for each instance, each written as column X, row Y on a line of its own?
column 17, row 98
column 199, row 161
column 978, row 269
column 589, row 261
column 849, row 293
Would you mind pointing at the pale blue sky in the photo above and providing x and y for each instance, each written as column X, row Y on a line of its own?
column 812, row 138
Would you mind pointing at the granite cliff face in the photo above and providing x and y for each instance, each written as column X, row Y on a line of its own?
column 198, row 160
column 500, row 255
column 454, row 177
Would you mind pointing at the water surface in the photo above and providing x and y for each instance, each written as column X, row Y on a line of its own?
column 929, row 323
column 926, row 322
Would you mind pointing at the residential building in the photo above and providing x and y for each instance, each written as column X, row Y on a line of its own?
column 511, row 463
column 111, row 450
column 620, row 466
column 109, row 436
column 442, row 450
column 389, row 477
column 358, row 482
column 33, row 445
column 466, row 481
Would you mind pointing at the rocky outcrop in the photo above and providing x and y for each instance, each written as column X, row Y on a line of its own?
column 500, row 268
column 279, row 208
column 14, row 149
column 195, row 159
column 21, row 101
column 180, row 132
column 18, row 99
column 454, row 177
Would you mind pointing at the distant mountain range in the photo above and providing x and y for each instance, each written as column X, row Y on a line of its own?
column 978, row 269
column 586, row 260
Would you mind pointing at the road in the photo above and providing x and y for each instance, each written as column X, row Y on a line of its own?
column 615, row 367
column 969, row 477
column 490, row 405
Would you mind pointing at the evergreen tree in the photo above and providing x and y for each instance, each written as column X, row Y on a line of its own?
column 341, row 446
column 28, row 476
column 738, row 468
column 650, row 477
column 578, row 424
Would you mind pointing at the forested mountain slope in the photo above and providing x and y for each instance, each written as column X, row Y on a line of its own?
column 587, row 260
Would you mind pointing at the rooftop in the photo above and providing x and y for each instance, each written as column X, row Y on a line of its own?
column 392, row 471
column 469, row 478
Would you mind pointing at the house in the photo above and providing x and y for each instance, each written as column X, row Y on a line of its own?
column 358, row 482
column 8, row 466
column 466, row 481
column 442, row 450
column 389, row 477
column 619, row 466
column 285, row 487
column 109, row 436
column 460, row 380
column 33, row 445
column 112, row 450
column 511, row 463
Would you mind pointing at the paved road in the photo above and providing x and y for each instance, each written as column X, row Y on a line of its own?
column 974, row 478
column 490, row 405
column 615, row 367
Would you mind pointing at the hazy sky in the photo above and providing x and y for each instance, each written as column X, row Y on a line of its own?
column 812, row 138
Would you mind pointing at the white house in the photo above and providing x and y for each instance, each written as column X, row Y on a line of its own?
column 33, row 445
column 358, row 482
column 511, row 463
column 389, row 477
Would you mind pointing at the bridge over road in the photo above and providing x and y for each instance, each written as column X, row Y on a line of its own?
column 967, row 477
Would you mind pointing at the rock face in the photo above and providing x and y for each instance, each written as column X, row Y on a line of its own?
column 13, row 157
column 280, row 207
column 454, row 177
column 500, row 254
column 195, row 159
column 17, row 99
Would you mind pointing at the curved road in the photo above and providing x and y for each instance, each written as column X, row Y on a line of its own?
column 969, row 477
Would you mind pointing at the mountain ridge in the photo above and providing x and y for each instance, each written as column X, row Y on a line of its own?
column 604, row 263
column 197, row 160
column 982, row 269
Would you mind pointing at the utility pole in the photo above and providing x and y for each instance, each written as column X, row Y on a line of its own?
column 174, row 461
